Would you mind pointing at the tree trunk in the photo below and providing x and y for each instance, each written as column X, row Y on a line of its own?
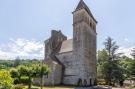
column 29, row 86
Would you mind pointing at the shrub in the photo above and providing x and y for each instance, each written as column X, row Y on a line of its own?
column 5, row 80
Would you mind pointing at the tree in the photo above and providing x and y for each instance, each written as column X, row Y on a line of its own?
column 23, row 71
column 125, row 63
column 5, row 64
column 32, row 71
column 5, row 80
column 108, row 63
column 133, row 53
column 16, row 75
column 117, row 73
column 111, row 48
column 101, row 59
column 26, row 71
column 40, row 71
column 102, row 56
column 17, row 62
column 132, row 70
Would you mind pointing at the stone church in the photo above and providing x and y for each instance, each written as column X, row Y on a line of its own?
column 73, row 61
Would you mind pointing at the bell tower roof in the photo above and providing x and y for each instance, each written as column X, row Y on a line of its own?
column 82, row 5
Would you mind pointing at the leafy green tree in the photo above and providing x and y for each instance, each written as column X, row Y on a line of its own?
column 16, row 75
column 117, row 73
column 111, row 48
column 125, row 63
column 27, row 71
column 101, row 59
column 102, row 56
column 22, row 71
column 5, row 80
column 32, row 71
column 108, row 63
column 40, row 71
column 132, row 70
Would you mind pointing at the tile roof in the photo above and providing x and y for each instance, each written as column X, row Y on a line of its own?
column 66, row 46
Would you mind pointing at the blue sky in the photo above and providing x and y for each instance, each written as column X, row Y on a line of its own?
column 25, row 24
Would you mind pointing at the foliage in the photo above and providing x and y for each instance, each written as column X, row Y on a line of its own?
column 128, row 66
column 5, row 80
column 14, row 73
column 111, row 48
column 108, row 63
column 132, row 70
column 25, row 73
column 122, row 68
column 125, row 64
column 102, row 56
column 40, row 71
column 7, row 64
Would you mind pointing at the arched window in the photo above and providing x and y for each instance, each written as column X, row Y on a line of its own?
column 85, row 83
column 79, row 83
column 90, row 24
column 90, row 82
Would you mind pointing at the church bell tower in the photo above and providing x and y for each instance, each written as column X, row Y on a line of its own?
column 84, row 44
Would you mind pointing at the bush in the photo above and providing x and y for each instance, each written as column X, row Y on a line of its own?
column 19, row 86
column 5, row 80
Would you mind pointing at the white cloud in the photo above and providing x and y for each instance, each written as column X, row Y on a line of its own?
column 22, row 48
column 126, row 51
column 126, row 39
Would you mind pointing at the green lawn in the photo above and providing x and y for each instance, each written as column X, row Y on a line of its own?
column 61, row 87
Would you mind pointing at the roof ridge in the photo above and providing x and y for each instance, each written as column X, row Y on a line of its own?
column 82, row 5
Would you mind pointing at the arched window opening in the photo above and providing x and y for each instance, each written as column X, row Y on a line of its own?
column 79, row 83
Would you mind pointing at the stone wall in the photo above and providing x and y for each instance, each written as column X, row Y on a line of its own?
column 68, row 61
column 84, row 45
column 54, row 78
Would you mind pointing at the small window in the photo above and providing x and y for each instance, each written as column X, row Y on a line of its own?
column 90, row 24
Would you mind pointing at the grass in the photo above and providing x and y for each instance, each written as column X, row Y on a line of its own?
column 57, row 87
